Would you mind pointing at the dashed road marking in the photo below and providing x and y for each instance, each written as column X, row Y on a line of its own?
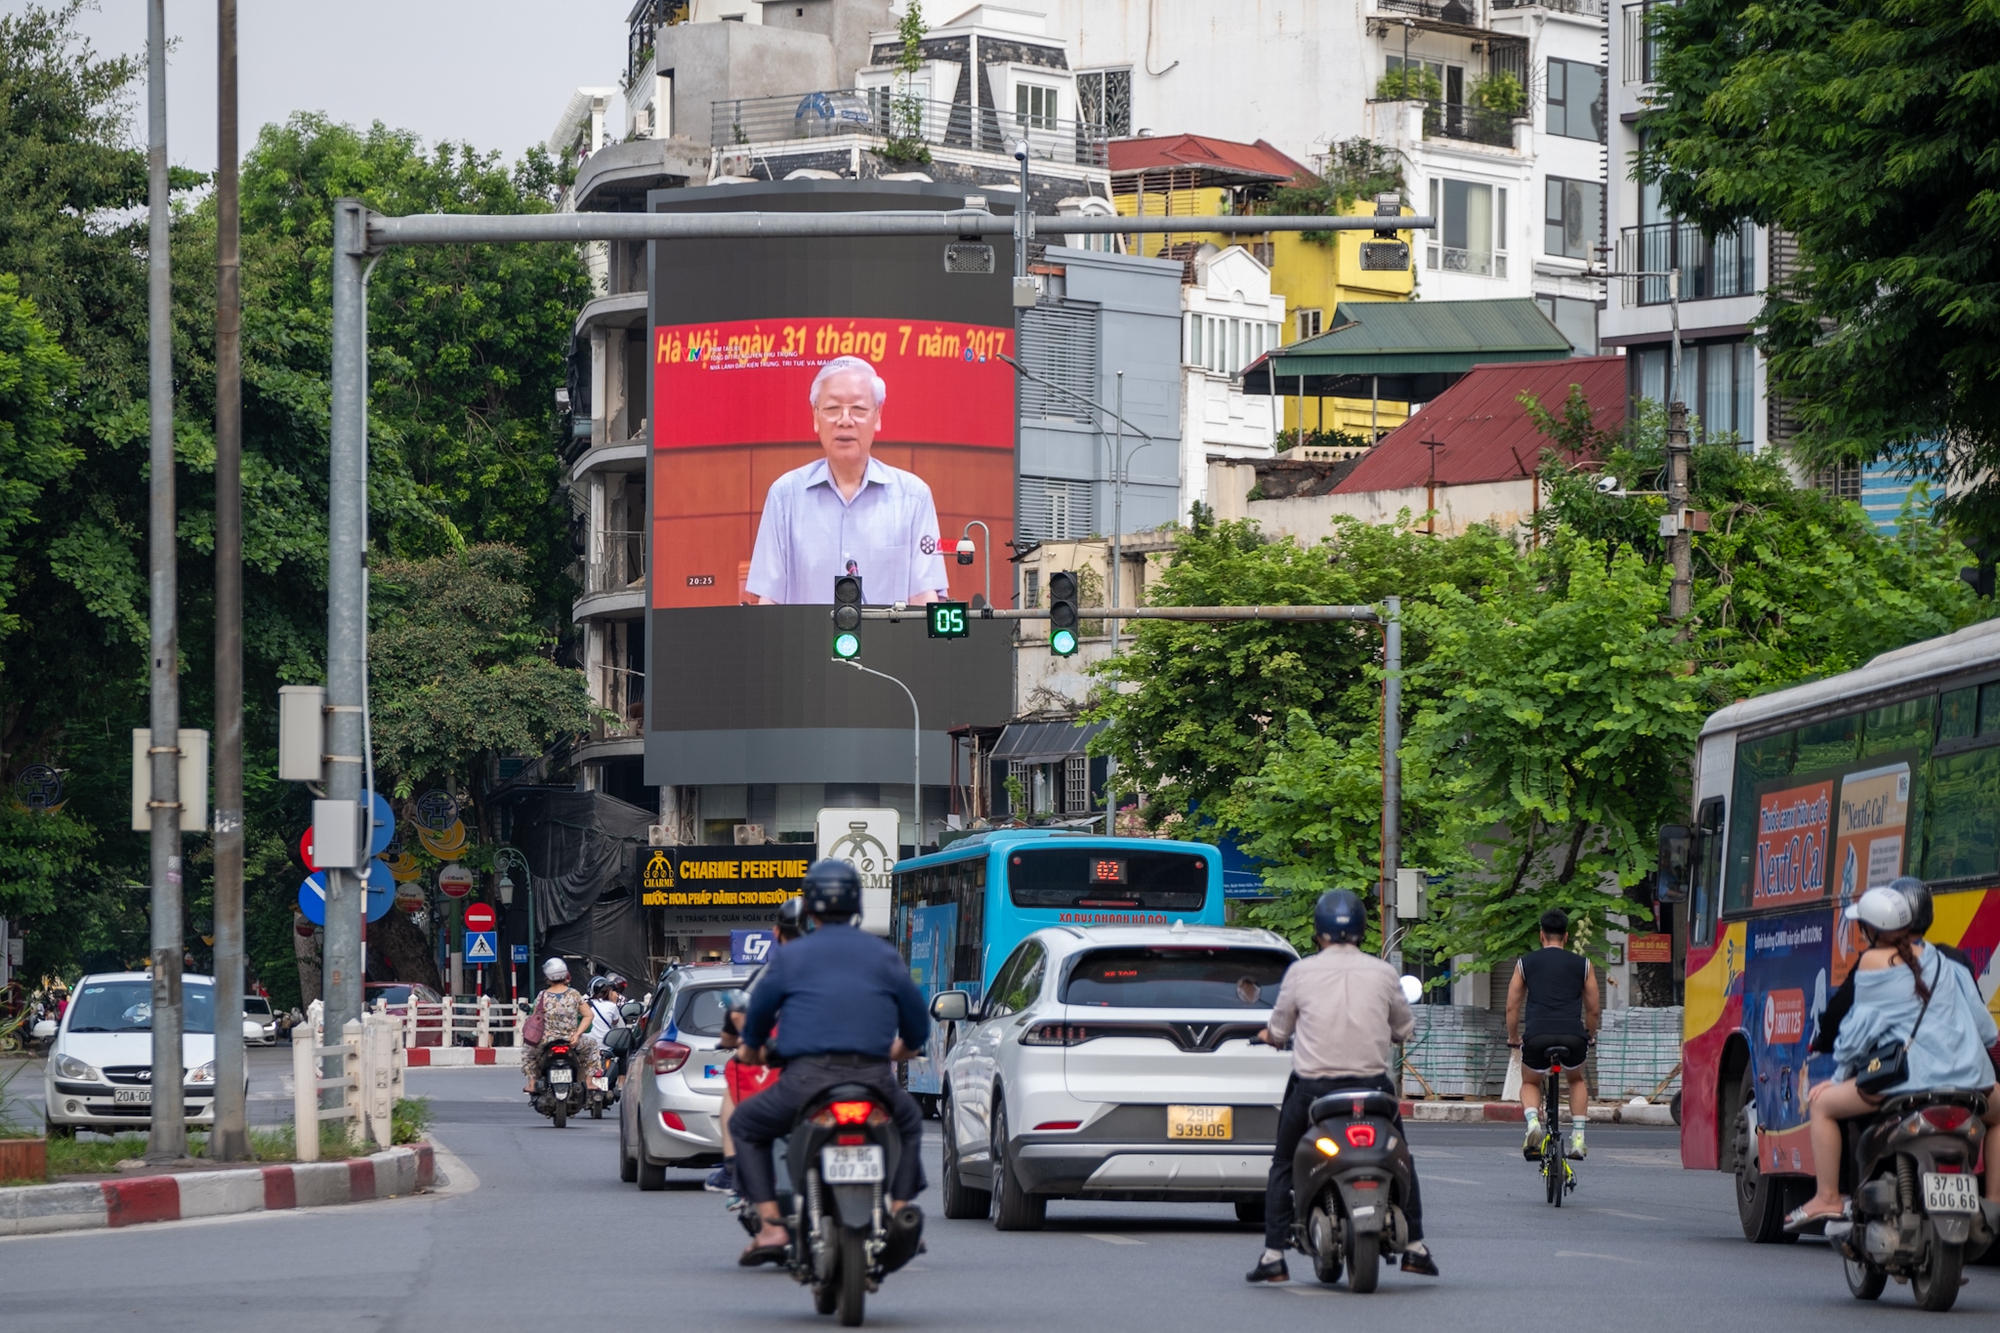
column 1110, row 1239
column 1636, row 1217
column 1586, row 1254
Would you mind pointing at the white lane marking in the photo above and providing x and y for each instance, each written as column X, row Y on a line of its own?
column 1451, row 1180
column 1636, row 1217
column 1303, row 1291
column 1586, row 1254
column 1110, row 1239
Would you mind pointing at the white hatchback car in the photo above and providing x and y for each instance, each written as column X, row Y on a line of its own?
column 670, row 1105
column 1116, row 1063
column 100, row 1068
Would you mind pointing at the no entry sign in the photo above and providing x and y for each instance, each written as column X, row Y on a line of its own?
column 479, row 916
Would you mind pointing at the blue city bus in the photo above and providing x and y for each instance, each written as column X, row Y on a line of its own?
column 958, row 913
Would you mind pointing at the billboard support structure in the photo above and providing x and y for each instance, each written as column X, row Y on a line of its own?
column 361, row 234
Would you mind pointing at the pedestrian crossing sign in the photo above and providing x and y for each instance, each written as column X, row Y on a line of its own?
column 479, row 947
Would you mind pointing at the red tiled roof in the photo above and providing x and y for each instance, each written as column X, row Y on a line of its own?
column 1483, row 432
column 1198, row 150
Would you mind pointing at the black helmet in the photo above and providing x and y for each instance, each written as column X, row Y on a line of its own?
column 1919, row 895
column 833, row 890
column 791, row 917
column 1340, row 916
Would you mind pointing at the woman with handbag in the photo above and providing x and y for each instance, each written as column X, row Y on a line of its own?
column 1918, row 1023
column 561, row 1014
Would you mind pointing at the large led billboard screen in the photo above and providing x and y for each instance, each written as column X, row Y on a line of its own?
column 821, row 407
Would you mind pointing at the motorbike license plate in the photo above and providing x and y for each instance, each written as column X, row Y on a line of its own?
column 851, row 1166
column 1950, row 1194
column 132, row 1097
column 1210, row 1123
column 559, row 1076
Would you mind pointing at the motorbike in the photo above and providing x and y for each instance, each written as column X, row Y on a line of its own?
column 842, row 1155
column 559, row 1087
column 1917, row 1206
column 1349, row 1178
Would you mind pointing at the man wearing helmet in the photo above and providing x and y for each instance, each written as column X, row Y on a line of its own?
column 1342, row 1010
column 848, row 1009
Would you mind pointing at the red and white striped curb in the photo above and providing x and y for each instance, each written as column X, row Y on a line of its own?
column 457, row 1057
column 30, row 1209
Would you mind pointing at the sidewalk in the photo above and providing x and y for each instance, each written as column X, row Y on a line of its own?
column 1600, row 1113
column 88, row 1205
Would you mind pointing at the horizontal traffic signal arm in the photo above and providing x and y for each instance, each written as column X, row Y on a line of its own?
column 1365, row 613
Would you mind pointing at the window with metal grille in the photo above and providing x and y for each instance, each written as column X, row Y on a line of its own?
column 1052, row 509
column 1060, row 347
column 1076, row 784
column 1104, row 101
column 1031, row 588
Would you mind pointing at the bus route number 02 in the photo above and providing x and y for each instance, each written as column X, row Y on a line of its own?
column 947, row 620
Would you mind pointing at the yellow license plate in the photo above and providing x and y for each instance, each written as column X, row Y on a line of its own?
column 1212, row 1123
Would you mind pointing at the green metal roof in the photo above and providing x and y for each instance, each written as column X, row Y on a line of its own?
column 1414, row 347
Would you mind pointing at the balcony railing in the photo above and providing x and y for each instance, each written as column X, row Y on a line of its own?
column 1465, row 13
column 1595, row 8
column 617, row 562
column 1723, row 266
column 1467, row 124
column 623, row 691
column 904, row 123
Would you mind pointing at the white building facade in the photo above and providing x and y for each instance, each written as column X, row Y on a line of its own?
column 1520, row 195
column 1721, row 280
column 1229, row 317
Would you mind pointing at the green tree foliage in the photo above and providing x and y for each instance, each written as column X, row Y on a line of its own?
column 37, row 380
column 461, row 672
column 468, row 347
column 1864, row 128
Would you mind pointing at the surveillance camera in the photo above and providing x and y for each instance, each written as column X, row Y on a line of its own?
column 965, row 550
column 1021, row 150
column 1607, row 485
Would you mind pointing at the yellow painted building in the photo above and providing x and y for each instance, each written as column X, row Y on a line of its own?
column 1189, row 175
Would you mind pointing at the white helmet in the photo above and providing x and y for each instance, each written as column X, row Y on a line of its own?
column 1882, row 909
column 557, row 970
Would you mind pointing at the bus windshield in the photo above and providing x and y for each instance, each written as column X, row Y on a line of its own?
column 1160, row 881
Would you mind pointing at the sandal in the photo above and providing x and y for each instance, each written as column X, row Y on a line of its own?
column 761, row 1254
column 1799, row 1219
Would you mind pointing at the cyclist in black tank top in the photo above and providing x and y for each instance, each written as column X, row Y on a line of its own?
column 1552, row 1002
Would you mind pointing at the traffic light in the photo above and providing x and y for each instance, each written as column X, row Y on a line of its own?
column 1062, row 613
column 846, row 616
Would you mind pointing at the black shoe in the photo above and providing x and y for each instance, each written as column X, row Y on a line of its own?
column 1273, row 1271
column 1420, row 1262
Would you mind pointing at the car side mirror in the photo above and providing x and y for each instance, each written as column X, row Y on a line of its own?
column 631, row 1010
column 1676, row 858
column 951, row 1006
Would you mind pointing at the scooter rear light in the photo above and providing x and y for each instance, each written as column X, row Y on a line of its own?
column 1946, row 1118
column 851, row 1113
column 1945, row 1168
column 667, row 1056
column 850, row 1140
column 1327, row 1146
column 1361, row 1136
column 672, row 1120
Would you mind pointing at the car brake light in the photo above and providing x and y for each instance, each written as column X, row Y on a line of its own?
column 1361, row 1136
column 672, row 1120
column 667, row 1056
column 1059, row 1124
column 852, row 1113
column 1057, row 1034
column 1946, row 1118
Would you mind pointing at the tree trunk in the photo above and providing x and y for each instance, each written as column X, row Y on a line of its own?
column 306, row 948
column 401, row 951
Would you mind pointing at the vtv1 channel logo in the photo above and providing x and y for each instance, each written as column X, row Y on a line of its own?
column 1784, row 1017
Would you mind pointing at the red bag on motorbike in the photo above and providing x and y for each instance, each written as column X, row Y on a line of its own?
column 534, row 1027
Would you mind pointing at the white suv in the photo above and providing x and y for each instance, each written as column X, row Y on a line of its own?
column 1115, row 1063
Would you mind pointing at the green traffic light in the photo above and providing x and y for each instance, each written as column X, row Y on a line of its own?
column 1063, row 642
column 846, row 645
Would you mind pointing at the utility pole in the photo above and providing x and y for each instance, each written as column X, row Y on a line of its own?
column 167, row 1139
column 1392, row 761
column 230, row 1140
column 1680, row 537
column 1117, row 502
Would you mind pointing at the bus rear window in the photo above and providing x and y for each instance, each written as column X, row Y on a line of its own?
column 1177, row 978
column 1108, row 877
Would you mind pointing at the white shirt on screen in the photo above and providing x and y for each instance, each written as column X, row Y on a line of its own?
column 809, row 535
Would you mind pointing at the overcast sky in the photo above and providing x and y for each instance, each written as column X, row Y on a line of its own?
column 494, row 73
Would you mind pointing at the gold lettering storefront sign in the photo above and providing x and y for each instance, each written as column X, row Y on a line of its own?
column 752, row 881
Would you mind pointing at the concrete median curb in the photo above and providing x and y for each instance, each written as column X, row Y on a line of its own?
column 1464, row 1112
column 88, row 1205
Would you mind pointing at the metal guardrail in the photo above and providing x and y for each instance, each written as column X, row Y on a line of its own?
column 880, row 114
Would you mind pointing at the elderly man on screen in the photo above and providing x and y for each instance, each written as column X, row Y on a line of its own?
column 848, row 512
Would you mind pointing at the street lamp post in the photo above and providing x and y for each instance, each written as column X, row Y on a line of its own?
column 916, row 746
column 502, row 857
